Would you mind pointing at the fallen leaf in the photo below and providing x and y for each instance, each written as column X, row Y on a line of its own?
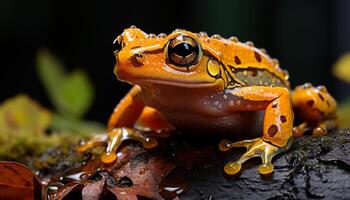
column 18, row 182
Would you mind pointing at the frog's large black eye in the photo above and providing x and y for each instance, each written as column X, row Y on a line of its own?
column 117, row 44
column 183, row 51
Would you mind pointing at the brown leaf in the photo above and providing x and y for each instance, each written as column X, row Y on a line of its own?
column 145, row 176
column 135, row 175
column 18, row 182
column 68, row 191
column 93, row 191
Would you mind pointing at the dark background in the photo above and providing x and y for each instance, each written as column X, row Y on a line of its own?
column 306, row 36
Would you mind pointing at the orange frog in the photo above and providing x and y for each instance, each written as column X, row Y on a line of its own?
column 202, row 84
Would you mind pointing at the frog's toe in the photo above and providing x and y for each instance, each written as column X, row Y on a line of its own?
column 114, row 139
column 232, row 168
column 266, row 168
column 226, row 145
column 255, row 148
column 319, row 131
column 108, row 157
column 117, row 136
column 96, row 140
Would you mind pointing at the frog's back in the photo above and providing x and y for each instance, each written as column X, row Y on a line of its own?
column 244, row 64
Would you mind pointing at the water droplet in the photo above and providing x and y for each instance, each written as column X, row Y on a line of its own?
column 216, row 36
column 174, row 184
column 233, row 39
column 231, row 103
column 203, row 34
column 162, row 35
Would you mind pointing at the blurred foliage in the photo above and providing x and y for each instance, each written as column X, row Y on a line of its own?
column 23, row 126
column 71, row 94
column 341, row 70
column 344, row 113
column 27, row 129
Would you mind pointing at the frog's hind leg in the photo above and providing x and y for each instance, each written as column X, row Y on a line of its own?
column 277, row 128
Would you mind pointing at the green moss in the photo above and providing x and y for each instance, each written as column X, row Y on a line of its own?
column 23, row 126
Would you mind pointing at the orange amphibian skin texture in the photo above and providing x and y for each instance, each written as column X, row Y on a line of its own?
column 200, row 84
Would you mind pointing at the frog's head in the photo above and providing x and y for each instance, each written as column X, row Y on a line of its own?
column 178, row 59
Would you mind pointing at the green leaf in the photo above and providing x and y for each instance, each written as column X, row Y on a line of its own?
column 77, row 93
column 71, row 94
column 51, row 72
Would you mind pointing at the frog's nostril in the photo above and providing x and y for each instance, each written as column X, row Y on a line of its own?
column 140, row 57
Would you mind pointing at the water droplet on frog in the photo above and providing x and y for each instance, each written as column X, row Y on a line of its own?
column 233, row 39
column 162, row 35
column 177, row 30
column 203, row 34
column 216, row 36
column 151, row 35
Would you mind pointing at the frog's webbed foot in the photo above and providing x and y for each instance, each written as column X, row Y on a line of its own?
column 114, row 139
column 255, row 148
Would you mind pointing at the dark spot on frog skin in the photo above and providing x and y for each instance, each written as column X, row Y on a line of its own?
column 321, row 97
column 257, row 56
column 328, row 104
column 310, row 103
column 273, row 129
column 283, row 119
column 237, row 60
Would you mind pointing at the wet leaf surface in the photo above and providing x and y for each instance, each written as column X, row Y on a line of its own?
column 183, row 168
column 18, row 182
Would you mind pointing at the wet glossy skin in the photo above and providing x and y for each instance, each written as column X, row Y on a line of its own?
column 190, row 81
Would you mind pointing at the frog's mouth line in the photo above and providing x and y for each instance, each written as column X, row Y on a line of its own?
column 188, row 84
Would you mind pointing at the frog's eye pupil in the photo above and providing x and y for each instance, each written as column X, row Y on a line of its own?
column 183, row 51
column 117, row 44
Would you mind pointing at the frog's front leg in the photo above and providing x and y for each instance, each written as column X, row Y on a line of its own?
column 277, row 127
column 125, row 117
